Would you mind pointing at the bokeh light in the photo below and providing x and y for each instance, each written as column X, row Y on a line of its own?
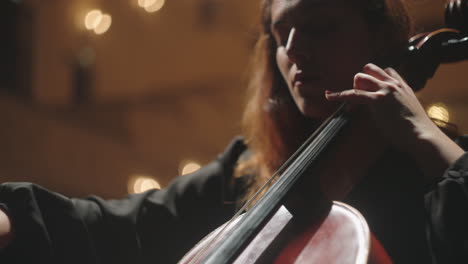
column 97, row 21
column 92, row 19
column 151, row 5
column 188, row 166
column 439, row 111
column 104, row 25
column 142, row 183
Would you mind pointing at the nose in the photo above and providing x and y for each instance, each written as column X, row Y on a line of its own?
column 296, row 47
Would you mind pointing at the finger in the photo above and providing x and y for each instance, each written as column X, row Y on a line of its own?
column 376, row 71
column 394, row 74
column 353, row 96
column 388, row 78
column 368, row 82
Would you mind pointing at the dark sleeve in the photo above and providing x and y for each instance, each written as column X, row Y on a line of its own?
column 157, row 226
column 447, row 207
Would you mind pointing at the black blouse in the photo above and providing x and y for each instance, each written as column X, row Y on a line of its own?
column 159, row 226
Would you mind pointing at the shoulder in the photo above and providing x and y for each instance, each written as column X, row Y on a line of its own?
column 209, row 182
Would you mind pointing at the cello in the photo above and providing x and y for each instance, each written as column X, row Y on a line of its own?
column 253, row 236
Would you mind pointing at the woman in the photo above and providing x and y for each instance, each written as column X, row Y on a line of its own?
column 311, row 56
column 310, row 51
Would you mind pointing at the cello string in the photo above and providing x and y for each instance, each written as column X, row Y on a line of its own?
column 313, row 149
column 293, row 157
column 275, row 175
column 254, row 218
column 309, row 143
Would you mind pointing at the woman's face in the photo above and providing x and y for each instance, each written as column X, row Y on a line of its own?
column 321, row 45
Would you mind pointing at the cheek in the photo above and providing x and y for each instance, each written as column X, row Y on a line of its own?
column 345, row 62
column 282, row 61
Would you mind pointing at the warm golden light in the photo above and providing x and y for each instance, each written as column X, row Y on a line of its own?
column 156, row 6
column 142, row 183
column 97, row 21
column 92, row 19
column 151, row 5
column 439, row 112
column 187, row 167
column 146, row 3
column 104, row 24
column 142, row 3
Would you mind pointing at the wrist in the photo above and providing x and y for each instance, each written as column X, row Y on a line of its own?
column 435, row 152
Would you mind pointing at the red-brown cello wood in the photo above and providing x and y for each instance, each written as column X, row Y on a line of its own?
column 340, row 236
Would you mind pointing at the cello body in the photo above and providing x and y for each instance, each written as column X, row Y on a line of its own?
column 339, row 235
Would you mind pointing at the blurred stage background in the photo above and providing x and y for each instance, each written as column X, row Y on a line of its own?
column 109, row 97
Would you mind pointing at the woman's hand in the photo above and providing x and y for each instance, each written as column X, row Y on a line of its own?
column 5, row 230
column 393, row 104
column 401, row 118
